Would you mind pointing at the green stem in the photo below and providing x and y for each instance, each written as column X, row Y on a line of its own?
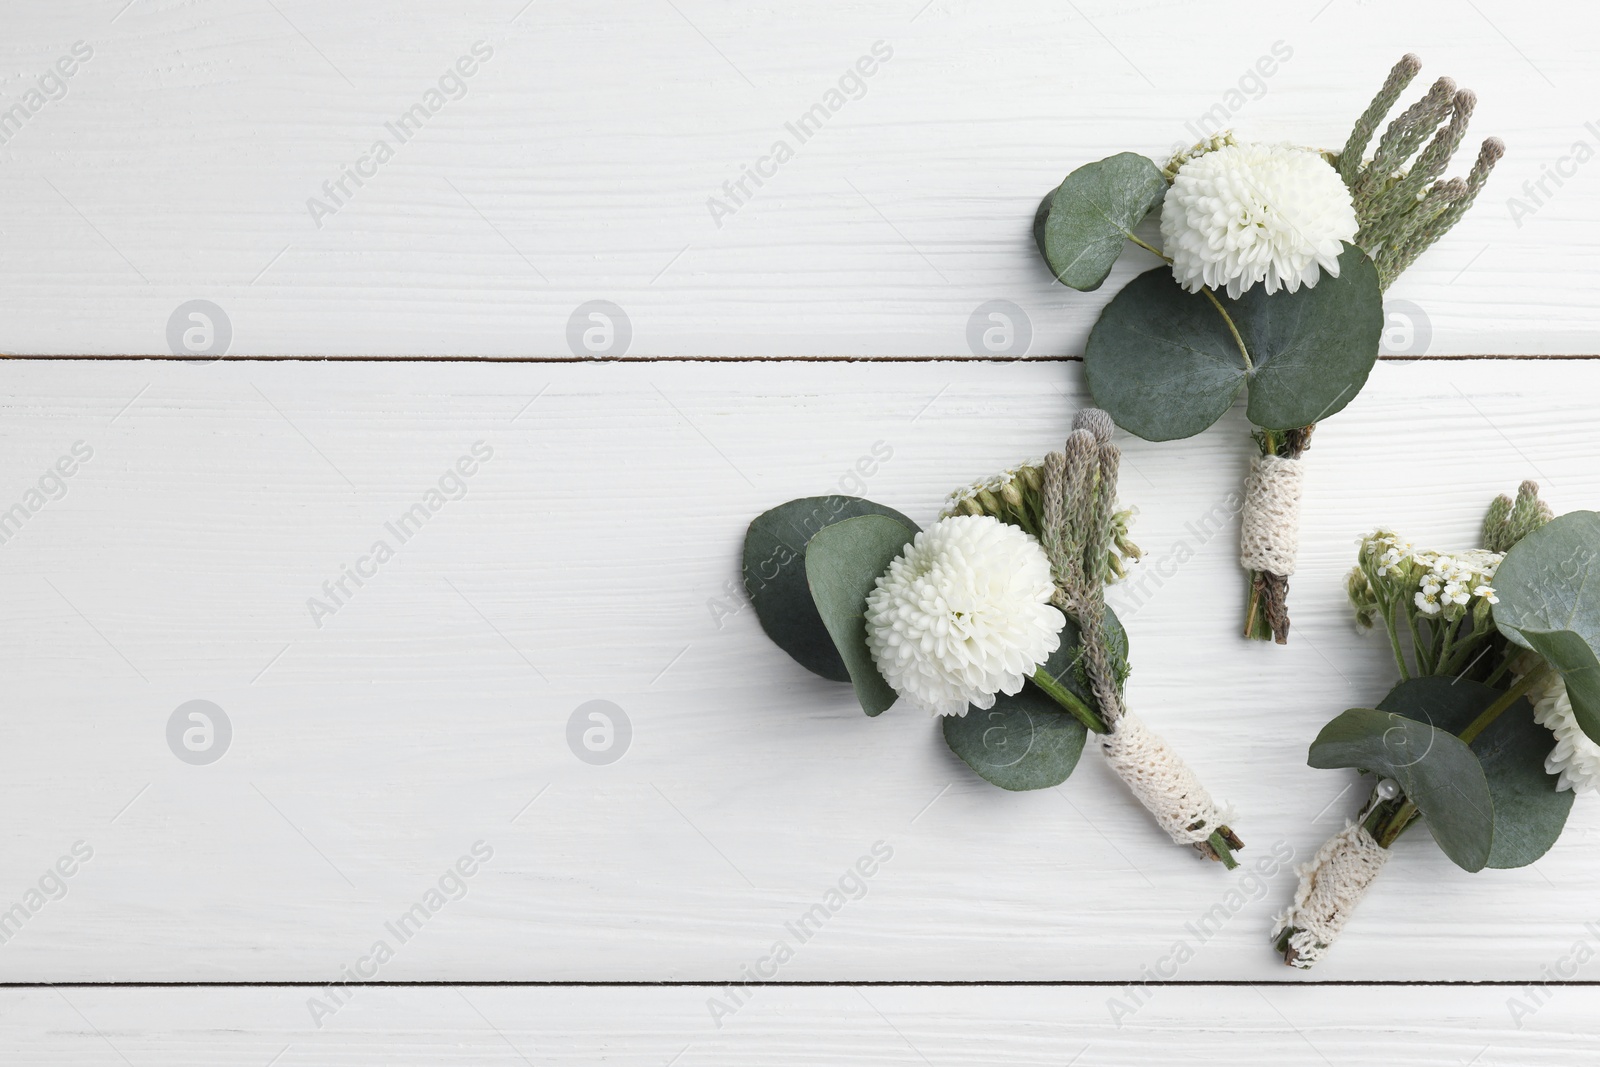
column 1249, row 367
column 1238, row 340
column 1069, row 700
column 1150, row 249
column 1457, row 662
column 1394, row 640
column 1390, row 829
column 1508, row 698
column 1256, row 626
column 1500, row 671
column 1444, row 636
column 1219, row 845
column 1417, row 647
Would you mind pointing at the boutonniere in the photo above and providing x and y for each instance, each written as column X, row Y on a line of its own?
column 993, row 619
column 1277, row 260
column 1494, row 723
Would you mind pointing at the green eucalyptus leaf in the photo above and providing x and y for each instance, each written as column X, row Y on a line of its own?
column 1163, row 362
column 1040, row 217
column 775, row 575
column 1081, row 226
column 1313, row 348
column 1028, row 741
column 1435, row 768
column 1547, row 604
column 843, row 561
column 1024, row 742
column 1156, row 361
column 1529, row 812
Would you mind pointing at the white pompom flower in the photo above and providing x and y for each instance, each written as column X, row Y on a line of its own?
column 1576, row 758
column 1249, row 213
column 962, row 614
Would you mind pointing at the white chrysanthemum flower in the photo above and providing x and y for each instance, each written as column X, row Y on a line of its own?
column 1252, row 213
column 1576, row 758
column 963, row 614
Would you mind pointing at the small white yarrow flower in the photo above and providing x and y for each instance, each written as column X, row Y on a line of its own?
column 963, row 614
column 1453, row 579
column 1249, row 213
column 1438, row 583
column 1576, row 758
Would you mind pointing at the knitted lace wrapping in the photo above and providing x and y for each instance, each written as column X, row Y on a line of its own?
column 1161, row 780
column 1270, row 536
column 1331, row 886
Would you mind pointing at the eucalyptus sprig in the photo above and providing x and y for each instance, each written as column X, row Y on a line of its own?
column 1496, row 648
column 1278, row 260
column 849, row 589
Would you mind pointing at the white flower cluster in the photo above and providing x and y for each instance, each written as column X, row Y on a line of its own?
column 1453, row 580
column 964, row 613
column 1388, row 551
column 1438, row 583
column 1248, row 213
column 1576, row 758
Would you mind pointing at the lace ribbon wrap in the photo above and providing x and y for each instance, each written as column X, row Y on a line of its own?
column 1331, row 886
column 1270, row 521
column 1163, row 783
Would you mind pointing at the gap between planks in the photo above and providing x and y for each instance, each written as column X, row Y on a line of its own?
column 845, row 983
column 697, row 359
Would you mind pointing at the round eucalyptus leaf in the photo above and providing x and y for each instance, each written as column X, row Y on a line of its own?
column 1040, row 217
column 1313, row 348
column 1548, row 604
column 1023, row 742
column 1081, row 226
column 843, row 561
column 1529, row 812
column 775, row 575
column 1435, row 768
column 1028, row 741
column 1163, row 362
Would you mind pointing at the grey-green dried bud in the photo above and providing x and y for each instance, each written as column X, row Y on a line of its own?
column 1081, row 442
column 1097, row 422
column 1527, row 514
column 969, row 506
column 1011, row 494
column 1497, row 524
column 986, row 501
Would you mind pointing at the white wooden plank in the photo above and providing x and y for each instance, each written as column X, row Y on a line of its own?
column 410, row 1027
column 580, row 159
column 590, row 559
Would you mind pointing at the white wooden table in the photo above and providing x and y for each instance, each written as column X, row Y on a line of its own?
column 415, row 727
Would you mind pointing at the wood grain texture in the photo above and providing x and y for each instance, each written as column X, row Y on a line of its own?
column 1282, row 1027
column 579, row 161
column 591, row 558
column 591, row 555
